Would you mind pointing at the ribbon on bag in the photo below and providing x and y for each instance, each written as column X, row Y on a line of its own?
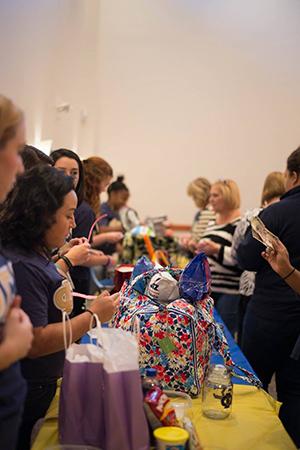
column 221, row 346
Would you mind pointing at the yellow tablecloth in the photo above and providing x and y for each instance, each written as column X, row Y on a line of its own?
column 253, row 424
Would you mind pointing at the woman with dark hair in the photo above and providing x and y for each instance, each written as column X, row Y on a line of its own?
column 70, row 164
column 15, row 327
column 36, row 218
column 32, row 156
column 272, row 321
column 118, row 195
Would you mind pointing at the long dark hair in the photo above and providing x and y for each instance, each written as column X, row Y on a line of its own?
column 30, row 208
column 66, row 153
column 32, row 156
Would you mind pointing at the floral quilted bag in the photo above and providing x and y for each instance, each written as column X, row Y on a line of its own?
column 176, row 336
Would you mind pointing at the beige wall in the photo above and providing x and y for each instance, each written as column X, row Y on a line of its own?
column 174, row 89
column 49, row 56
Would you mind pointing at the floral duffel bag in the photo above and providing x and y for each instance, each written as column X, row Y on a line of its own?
column 171, row 313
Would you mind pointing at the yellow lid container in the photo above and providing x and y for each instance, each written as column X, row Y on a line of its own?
column 171, row 435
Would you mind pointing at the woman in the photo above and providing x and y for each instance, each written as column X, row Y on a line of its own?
column 199, row 190
column 118, row 214
column 70, row 164
column 272, row 321
column 273, row 189
column 15, row 326
column 97, row 177
column 36, row 218
column 216, row 243
column 32, row 156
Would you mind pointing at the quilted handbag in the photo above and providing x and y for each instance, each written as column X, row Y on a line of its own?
column 175, row 338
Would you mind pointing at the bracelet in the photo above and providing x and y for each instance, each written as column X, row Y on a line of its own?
column 289, row 274
column 67, row 261
column 89, row 311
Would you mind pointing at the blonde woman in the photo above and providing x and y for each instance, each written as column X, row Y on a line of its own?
column 198, row 190
column 216, row 243
column 273, row 189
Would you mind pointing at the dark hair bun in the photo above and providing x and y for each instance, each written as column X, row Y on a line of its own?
column 120, row 179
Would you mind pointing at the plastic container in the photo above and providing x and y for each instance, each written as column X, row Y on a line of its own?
column 171, row 438
column 181, row 402
column 150, row 380
column 217, row 393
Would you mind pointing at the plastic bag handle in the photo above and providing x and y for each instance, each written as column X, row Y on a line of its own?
column 95, row 318
column 66, row 319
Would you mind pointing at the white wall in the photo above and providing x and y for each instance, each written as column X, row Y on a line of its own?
column 49, row 55
column 198, row 88
column 174, row 89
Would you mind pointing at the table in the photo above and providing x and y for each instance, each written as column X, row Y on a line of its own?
column 252, row 425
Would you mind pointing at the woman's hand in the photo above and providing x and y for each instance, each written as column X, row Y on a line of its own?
column 79, row 254
column 208, row 247
column 68, row 245
column 105, row 305
column 278, row 258
column 113, row 236
column 184, row 240
column 18, row 335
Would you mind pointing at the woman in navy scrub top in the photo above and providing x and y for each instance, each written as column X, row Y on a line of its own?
column 15, row 327
column 36, row 218
column 69, row 163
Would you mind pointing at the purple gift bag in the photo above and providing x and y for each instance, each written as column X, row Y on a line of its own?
column 101, row 402
column 81, row 414
column 125, row 422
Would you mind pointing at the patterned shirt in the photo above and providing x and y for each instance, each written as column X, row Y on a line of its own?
column 224, row 269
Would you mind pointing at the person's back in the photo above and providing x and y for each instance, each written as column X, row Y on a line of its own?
column 272, row 296
column 272, row 322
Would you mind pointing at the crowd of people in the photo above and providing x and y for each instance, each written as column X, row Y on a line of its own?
column 49, row 207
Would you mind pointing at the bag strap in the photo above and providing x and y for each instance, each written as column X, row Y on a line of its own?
column 95, row 318
column 66, row 319
column 222, row 347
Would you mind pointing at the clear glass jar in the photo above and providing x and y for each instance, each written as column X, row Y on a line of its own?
column 217, row 392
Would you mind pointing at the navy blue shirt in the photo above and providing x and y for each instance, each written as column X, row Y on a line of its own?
column 12, row 384
column 84, row 219
column 107, row 247
column 37, row 280
column 110, row 214
column 272, row 297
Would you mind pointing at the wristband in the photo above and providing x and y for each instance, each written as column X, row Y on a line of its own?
column 67, row 261
column 289, row 274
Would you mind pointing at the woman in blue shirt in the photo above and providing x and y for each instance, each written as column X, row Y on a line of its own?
column 36, row 218
column 15, row 327
column 272, row 322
